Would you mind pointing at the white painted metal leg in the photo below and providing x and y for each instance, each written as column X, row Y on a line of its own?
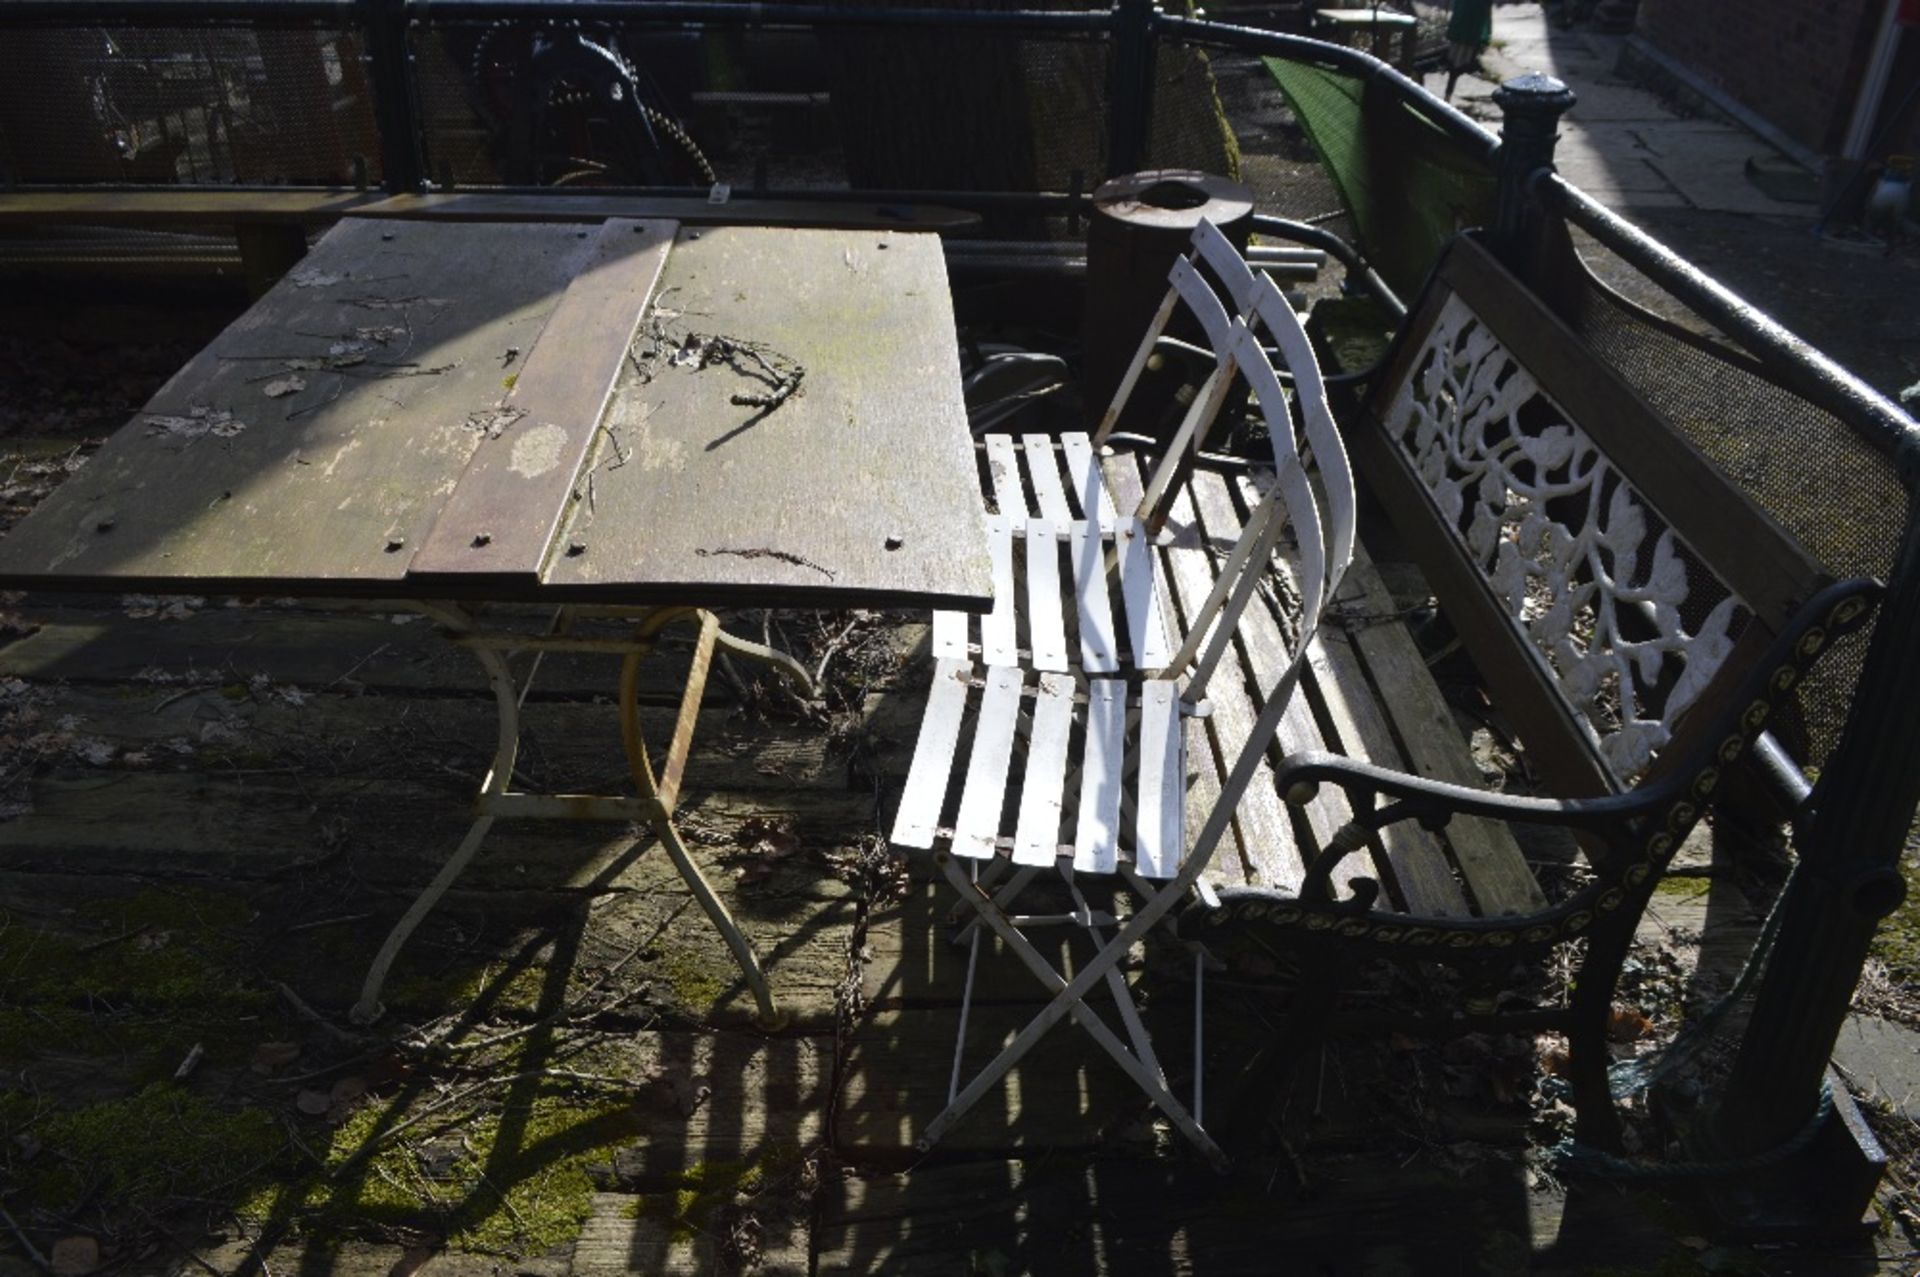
column 1069, row 1001
column 506, row 698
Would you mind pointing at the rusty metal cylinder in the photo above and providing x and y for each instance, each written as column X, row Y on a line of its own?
column 1140, row 223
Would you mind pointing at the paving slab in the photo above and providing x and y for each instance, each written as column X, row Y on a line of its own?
column 1881, row 1061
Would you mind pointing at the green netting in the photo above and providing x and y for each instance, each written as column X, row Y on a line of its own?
column 1409, row 186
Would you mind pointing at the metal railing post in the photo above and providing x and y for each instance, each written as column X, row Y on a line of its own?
column 1130, row 86
column 391, row 70
column 1530, row 110
column 1849, row 878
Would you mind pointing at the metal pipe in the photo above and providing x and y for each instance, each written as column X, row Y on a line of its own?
column 1343, row 252
column 1449, row 119
column 1804, row 369
column 253, row 13
column 86, row 13
column 731, row 12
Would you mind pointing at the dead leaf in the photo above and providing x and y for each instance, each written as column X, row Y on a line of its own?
column 348, row 1089
column 285, row 386
column 269, row 1056
column 74, row 1256
column 1627, row 1024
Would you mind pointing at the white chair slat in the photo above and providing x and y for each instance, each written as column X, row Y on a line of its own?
column 976, row 830
column 1083, row 476
column 999, row 640
column 1036, row 834
column 1003, row 470
column 918, row 817
column 949, row 636
column 1046, row 629
column 1099, row 644
column 1043, row 471
column 1160, row 796
column 1140, row 588
column 1103, row 768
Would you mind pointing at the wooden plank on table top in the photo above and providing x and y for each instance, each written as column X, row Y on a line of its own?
column 1036, row 835
column 1043, row 469
column 712, row 482
column 976, row 830
column 1103, row 769
column 233, row 480
column 462, row 206
column 918, row 815
column 499, row 520
column 1046, row 626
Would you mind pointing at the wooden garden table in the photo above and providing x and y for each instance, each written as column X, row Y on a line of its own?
column 632, row 419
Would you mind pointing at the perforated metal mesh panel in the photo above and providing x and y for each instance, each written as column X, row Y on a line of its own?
column 1833, row 491
column 165, row 105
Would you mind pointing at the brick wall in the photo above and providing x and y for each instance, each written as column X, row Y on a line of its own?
column 1797, row 63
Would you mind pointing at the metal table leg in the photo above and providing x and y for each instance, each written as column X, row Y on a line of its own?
column 658, row 791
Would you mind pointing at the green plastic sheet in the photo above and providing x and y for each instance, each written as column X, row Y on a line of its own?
column 1408, row 185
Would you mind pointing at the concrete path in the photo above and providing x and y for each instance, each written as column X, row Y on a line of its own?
column 1622, row 143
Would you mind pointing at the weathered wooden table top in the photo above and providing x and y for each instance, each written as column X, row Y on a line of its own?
column 529, row 413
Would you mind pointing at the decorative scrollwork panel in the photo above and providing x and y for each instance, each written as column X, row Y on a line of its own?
column 1622, row 615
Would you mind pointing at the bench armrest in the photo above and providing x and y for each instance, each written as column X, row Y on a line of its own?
column 1433, row 803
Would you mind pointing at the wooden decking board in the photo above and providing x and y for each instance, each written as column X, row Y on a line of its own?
column 1100, row 1216
column 1061, row 1096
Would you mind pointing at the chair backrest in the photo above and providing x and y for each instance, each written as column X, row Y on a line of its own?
column 1234, row 311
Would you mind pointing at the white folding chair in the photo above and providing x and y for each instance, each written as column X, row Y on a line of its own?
column 1101, row 788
